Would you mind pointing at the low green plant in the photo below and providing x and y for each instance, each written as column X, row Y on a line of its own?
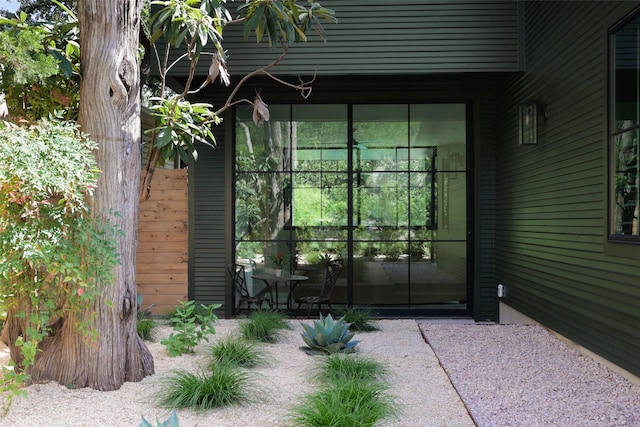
column 329, row 336
column 145, row 324
column 172, row 421
column 224, row 385
column 236, row 351
column 350, row 403
column 145, row 328
column 337, row 368
column 360, row 318
column 191, row 327
column 264, row 325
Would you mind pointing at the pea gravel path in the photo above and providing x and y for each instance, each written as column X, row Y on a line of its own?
column 514, row 375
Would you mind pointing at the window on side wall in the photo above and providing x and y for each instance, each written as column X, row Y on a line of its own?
column 624, row 125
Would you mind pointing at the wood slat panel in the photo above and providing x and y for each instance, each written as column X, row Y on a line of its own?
column 162, row 256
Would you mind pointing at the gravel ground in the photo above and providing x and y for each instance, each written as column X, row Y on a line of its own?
column 506, row 375
column 512, row 375
column 422, row 390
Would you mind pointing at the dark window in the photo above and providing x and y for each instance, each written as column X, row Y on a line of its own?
column 624, row 123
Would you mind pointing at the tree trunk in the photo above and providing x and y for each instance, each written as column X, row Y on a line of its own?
column 110, row 114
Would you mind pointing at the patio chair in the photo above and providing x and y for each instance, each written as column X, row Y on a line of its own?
column 239, row 279
column 329, row 278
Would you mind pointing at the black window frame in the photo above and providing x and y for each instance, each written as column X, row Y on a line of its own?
column 612, row 132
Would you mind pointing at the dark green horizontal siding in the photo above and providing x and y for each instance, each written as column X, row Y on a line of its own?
column 551, row 236
column 382, row 37
column 207, row 252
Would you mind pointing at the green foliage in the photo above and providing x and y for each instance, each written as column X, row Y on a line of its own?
column 237, row 352
column 329, row 336
column 39, row 66
column 172, row 421
column 145, row 327
column 360, row 318
column 348, row 403
column 179, row 125
column 337, row 368
column 283, row 20
column 224, row 385
column 196, row 28
column 191, row 327
column 55, row 255
column 145, row 324
column 264, row 325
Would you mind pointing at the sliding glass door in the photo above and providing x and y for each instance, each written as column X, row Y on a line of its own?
column 382, row 188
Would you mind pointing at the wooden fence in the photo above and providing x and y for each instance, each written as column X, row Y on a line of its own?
column 162, row 257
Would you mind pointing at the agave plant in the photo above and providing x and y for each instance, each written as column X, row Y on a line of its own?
column 329, row 336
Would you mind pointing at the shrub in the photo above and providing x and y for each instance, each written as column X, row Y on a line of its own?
column 145, row 328
column 187, row 334
column 264, row 326
column 361, row 319
column 224, row 385
column 56, row 253
column 337, row 368
column 348, row 403
column 237, row 352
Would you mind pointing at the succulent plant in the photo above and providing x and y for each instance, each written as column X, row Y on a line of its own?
column 329, row 336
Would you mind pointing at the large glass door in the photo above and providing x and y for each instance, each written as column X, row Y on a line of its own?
column 382, row 188
column 409, row 206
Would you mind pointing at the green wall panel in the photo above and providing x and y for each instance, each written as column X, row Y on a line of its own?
column 381, row 37
column 551, row 236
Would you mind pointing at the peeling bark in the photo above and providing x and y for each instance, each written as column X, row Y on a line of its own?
column 110, row 114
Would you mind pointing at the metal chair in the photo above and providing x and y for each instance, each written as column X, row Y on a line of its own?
column 239, row 279
column 329, row 278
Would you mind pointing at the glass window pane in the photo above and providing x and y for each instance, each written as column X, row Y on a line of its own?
column 442, row 128
column 625, row 71
column 380, row 136
column 264, row 146
column 626, row 182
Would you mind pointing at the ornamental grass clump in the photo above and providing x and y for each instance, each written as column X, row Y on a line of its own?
column 328, row 336
column 348, row 403
column 236, row 351
column 337, row 368
column 264, row 326
column 223, row 385
column 361, row 319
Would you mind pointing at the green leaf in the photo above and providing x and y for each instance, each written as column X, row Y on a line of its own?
column 164, row 136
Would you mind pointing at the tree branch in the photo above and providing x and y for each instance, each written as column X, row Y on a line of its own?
column 302, row 87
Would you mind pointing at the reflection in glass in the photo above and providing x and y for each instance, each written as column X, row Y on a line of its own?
column 389, row 200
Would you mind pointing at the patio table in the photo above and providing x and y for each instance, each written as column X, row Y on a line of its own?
column 271, row 280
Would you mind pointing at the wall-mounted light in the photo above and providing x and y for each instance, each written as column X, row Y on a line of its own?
column 532, row 116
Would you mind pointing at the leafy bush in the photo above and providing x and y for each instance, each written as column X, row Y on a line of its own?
column 236, row 351
column 264, row 325
column 361, row 319
column 191, row 327
column 224, row 385
column 329, row 336
column 56, row 253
